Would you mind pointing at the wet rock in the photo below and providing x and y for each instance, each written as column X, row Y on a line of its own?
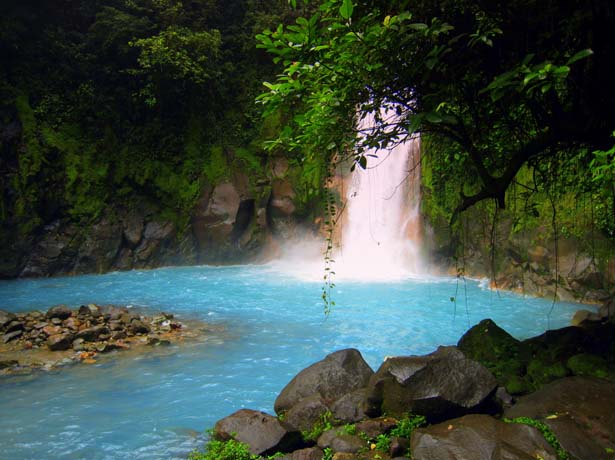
column 89, row 310
column 61, row 312
column 139, row 327
column 6, row 338
column 579, row 410
column 93, row 334
column 479, row 437
column 59, row 342
column 5, row 364
column 5, row 318
column 14, row 326
column 263, row 433
column 338, row 374
column 439, row 385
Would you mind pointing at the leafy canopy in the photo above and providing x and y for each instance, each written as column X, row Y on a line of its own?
column 492, row 85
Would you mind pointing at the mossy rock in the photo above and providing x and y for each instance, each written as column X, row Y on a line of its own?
column 516, row 385
column 488, row 343
column 540, row 372
column 588, row 365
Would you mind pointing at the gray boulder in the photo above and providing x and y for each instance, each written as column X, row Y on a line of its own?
column 349, row 408
column 479, row 437
column 303, row 415
column 338, row 374
column 60, row 311
column 338, row 441
column 263, row 433
column 584, row 410
column 442, row 384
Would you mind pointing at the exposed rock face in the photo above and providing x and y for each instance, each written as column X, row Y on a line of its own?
column 262, row 432
column 479, row 437
column 578, row 411
column 335, row 376
column 436, row 385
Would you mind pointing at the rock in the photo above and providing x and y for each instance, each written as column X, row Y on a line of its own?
column 59, row 342
column 442, row 384
column 263, row 433
column 338, row 441
column 584, row 315
column 5, row 318
column 6, row 338
column 92, row 334
column 338, row 374
column 5, row 364
column 372, row 428
column 61, row 312
column 51, row 330
column 14, row 326
column 133, row 230
column 579, row 410
column 78, row 345
column 399, row 446
column 89, row 310
column 607, row 310
column 479, row 437
column 309, row 453
column 139, row 327
column 303, row 415
column 588, row 365
column 349, row 408
column 495, row 349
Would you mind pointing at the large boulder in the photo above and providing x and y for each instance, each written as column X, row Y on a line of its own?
column 479, row 437
column 440, row 385
column 338, row 374
column 307, row 412
column 349, row 408
column 579, row 410
column 498, row 351
column 263, row 433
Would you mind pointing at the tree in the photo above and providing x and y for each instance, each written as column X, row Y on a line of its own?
column 493, row 86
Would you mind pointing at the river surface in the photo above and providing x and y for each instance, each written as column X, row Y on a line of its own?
column 156, row 406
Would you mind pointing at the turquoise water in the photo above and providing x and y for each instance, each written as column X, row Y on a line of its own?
column 154, row 406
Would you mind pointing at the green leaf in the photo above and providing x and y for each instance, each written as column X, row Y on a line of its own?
column 580, row 55
column 346, row 9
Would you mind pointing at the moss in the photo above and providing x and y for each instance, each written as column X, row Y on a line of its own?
column 540, row 372
column 516, row 385
column 586, row 364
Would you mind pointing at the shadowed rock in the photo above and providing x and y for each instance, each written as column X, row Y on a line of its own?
column 59, row 311
column 579, row 410
column 303, row 415
column 479, row 437
column 442, row 384
column 338, row 374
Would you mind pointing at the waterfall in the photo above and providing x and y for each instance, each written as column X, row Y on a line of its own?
column 381, row 230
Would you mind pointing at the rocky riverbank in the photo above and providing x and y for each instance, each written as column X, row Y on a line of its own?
column 60, row 336
column 490, row 397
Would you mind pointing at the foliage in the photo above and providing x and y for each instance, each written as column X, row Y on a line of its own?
column 224, row 450
column 324, row 423
column 546, row 432
column 489, row 93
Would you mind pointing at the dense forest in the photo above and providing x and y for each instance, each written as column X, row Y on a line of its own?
column 116, row 105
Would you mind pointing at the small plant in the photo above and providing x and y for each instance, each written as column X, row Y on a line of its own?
column 328, row 453
column 349, row 428
column 324, row 423
column 224, row 450
column 383, row 442
column 546, row 432
column 407, row 425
